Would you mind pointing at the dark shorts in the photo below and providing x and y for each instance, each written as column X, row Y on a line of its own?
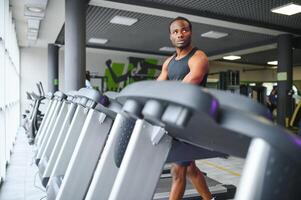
column 184, row 163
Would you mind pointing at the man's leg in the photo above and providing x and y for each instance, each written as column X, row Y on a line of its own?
column 197, row 179
column 178, row 173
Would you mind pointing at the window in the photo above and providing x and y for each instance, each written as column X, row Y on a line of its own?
column 9, row 85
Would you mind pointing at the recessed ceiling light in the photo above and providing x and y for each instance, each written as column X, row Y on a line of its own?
column 33, row 30
column 231, row 57
column 98, row 40
column 35, row 9
column 214, row 34
column 33, row 23
column 123, row 20
column 288, row 9
column 169, row 49
column 29, row 33
column 275, row 62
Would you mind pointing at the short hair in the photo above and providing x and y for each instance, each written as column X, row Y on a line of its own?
column 180, row 18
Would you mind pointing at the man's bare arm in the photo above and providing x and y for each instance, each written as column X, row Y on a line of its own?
column 164, row 72
column 198, row 65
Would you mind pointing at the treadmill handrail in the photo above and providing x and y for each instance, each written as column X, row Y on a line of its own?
column 60, row 95
column 187, row 95
column 49, row 95
column 259, row 127
column 233, row 131
column 41, row 87
column 35, row 96
column 240, row 102
column 90, row 94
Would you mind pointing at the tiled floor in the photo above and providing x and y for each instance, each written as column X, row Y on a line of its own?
column 226, row 171
column 23, row 183
column 20, row 183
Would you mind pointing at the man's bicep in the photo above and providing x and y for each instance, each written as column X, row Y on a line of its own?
column 163, row 75
column 199, row 67
column 164, row 72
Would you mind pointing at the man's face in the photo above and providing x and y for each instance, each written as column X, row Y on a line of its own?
column 180, row 34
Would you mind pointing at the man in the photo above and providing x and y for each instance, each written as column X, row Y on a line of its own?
column 272, row 99
column 87, row 81
column 189, row 65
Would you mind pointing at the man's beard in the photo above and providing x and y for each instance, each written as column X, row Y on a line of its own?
column 182, row 46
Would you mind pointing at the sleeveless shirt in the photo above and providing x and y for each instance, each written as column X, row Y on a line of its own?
column 178, row 69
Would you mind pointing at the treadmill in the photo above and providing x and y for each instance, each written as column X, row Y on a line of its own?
column 57, row 133
column 117, row 144
column 88, row 99
column 213, row 120
column 43, row 136
column 86, row 153
column 47, row 144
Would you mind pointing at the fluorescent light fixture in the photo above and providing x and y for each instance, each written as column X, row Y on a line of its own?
column 32, row 34
column 168, row 49
column 35, row 9
column 288, row 9
column 32, row 30
column 212, row 80
column 33, row 23
column 214, row 34
column 275, row 62
column 98, row 40
column 123, row 20
column 232, row 57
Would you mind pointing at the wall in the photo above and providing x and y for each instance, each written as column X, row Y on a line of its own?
column 33, row 69
column 261, row 75
column 258, row 75
column 96, row 62
column 297, row 73
column 34, row 66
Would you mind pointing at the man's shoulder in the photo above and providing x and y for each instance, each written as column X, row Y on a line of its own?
column 167, row 60
column 170, row 57
column 200, row 53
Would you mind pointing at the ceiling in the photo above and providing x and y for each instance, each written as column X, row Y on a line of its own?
column 252, row 28
column 262, row 57
column 50, row 23
column 252, row 12
column 151, row 33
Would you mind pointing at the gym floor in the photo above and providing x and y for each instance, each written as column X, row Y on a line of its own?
column 22, row 181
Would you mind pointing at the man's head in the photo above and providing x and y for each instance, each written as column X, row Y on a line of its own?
column 180, row 31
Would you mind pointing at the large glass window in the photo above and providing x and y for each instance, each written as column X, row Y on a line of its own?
column 2, row 113
column 9, row 85
column 1, row 19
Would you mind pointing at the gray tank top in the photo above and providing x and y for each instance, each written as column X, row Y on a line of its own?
column 178, row 69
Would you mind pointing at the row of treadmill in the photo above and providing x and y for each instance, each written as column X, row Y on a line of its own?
column 120, row 150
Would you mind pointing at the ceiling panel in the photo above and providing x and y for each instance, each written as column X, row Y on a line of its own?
column 151, row 33
column 254, row 12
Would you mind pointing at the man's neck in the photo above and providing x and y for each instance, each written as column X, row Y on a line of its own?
column 183, row 52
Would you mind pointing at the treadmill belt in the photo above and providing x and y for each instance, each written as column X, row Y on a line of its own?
column 218, row 190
